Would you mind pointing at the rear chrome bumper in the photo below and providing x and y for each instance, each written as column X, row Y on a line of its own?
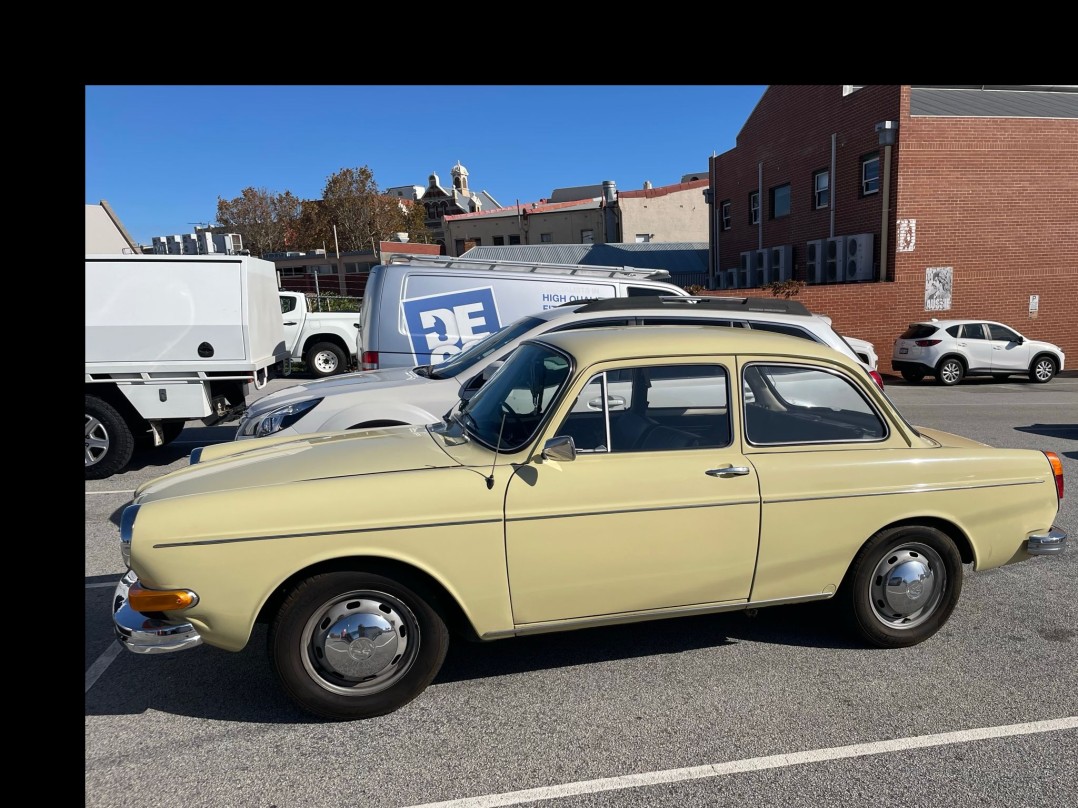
column 143, row 634
column 1048, row 543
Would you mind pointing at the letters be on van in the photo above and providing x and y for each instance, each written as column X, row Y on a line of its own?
column 441, row 325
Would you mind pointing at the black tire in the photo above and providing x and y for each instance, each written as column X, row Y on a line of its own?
column 1042, row 370
column 350, row 645
column 902, row 586
column 170, row 430
column 950, row 371
column 325, row 359
column 109, row 442
column 913, row 376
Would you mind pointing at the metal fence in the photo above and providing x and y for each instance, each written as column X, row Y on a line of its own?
column 328, row 293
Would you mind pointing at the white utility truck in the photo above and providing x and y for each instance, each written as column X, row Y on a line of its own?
column 170, row 339
column 326, row 342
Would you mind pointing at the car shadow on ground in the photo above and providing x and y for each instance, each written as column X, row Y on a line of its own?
column 1068, row 431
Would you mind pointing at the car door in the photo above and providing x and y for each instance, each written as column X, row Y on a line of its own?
column 292, row 320
column 974, row 343
column 1009, row 351
column 658, row 510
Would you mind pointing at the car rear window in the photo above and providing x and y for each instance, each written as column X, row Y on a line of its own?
column 919, row 331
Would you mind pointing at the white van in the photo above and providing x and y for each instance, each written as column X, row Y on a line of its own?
column 423, row 310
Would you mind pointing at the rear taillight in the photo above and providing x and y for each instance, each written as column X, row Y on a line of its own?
column 926, row 343
column 876, row 377
column 369, row 360
column 1057, row 470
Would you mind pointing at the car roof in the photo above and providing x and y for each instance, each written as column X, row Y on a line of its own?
column 946, row 323
column 630, row 342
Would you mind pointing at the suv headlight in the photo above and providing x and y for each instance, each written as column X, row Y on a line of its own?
column 277, row 419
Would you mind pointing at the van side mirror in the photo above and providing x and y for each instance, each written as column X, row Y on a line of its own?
column 560, row 447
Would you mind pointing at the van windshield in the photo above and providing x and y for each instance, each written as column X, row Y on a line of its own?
column 480, row 350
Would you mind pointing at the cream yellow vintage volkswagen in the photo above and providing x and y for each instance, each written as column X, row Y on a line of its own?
column 600, row 476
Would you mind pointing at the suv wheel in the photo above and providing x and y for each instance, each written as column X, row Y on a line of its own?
column 1042, row 369
column 949, row 372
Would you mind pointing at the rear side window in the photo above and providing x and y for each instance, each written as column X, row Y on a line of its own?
column 919, row 331
column 647, row 291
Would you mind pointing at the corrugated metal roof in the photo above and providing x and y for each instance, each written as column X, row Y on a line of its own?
column 967, row 102
column 675, row 257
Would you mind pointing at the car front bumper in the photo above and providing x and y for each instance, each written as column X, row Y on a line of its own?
column 143, row 633
column 1048, row 543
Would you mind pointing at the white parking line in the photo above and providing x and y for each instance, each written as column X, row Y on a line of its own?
column 754, row 764
column 131, row 491
column 101, row 663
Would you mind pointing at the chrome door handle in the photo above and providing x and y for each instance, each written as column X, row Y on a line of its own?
column 728, row 471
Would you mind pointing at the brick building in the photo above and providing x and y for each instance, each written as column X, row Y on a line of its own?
column 899, row 203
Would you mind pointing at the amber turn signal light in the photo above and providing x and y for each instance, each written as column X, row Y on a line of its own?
column 1057, row 470
column 160, row 600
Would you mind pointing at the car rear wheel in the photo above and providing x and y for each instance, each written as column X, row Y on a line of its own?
column 325, row 359
column 1042, row 369
column 902, row 586
column 950, row 371
column 912, row 376
column 349, row 645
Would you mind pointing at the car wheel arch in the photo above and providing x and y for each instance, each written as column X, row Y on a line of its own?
column 1045, row 355
column 422, row 582
column 956, row 534
column 957, row 357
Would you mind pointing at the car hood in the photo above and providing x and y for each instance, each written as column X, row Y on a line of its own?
column 274, row 461
column 344, row 384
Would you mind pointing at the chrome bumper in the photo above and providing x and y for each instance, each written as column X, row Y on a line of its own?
column 142, row 634
column 1048, row 543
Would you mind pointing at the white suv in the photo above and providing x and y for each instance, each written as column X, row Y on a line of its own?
column 950, row 350
column 424, row 394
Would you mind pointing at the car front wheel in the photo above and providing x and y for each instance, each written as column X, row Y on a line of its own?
column 1042, row 370
column 902, row 586
column 349, row 645
column 949, row 372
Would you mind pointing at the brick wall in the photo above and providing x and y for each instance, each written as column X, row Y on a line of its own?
column 994, row 199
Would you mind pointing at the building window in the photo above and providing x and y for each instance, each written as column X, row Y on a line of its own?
column 754, row 207
column 779, row 202
column 514, row 239
column 821, row 189
column 870, row 175
column 323, row 269
column 587, row 236
column 356, row 268
column 726, row 215
column 643, row 238
column 499, row 241
column 476, row 241
column 546, row 238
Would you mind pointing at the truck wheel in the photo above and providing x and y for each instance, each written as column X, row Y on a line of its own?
column 348, row 645
column 109, row 442
column 325, row 359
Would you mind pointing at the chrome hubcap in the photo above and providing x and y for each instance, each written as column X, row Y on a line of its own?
column 360, row 643
column 97, row 440
column 907, row 586
column 950, row 372
column 1044, row 369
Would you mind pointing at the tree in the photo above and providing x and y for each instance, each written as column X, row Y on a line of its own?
column 265, row 220
column 363, row 215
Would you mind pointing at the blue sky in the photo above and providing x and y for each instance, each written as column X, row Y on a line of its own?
column 161, row 155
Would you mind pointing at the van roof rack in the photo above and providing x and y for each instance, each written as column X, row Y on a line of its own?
column 448, row 262
column 708, row 303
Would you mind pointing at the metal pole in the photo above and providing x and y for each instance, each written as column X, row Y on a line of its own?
column 886, row 209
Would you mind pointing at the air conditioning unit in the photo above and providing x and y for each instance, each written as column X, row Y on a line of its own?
column 781, row 266
column 758, row 275
column 814, row 263
column 834, row 259
column 730, row 278
column 745, row 269
column 858, row 258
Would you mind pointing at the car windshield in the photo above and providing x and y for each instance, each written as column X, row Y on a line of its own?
column 480, row 350
column 507, row 411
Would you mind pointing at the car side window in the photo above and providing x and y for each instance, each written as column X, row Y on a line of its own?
column 649, row 409
column 1001, row 332
column 954, row 330
column 287, row 304
column 800, row 404
column 972, row 331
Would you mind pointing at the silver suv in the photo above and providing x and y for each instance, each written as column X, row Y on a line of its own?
column 950, row 350
column 424, row 394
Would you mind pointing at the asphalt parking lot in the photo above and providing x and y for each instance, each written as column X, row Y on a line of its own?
column 781, row 709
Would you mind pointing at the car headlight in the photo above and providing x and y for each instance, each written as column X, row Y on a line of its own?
column 277, row 419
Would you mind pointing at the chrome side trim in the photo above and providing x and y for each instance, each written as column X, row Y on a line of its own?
column 141, row 634
column 1049, row 543
column 933, row 490
column 632, row 510
column 653, row 614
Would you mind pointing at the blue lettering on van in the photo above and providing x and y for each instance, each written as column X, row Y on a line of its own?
column 440, row 326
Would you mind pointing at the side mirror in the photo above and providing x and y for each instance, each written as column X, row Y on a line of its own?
column 1020, row 339
column 561, row 448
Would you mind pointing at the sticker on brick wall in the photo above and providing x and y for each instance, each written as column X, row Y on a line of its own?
column 938, row 282
column 907, row 235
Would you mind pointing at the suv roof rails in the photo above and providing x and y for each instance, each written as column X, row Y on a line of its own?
column 760, row 304
column 448, row 262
